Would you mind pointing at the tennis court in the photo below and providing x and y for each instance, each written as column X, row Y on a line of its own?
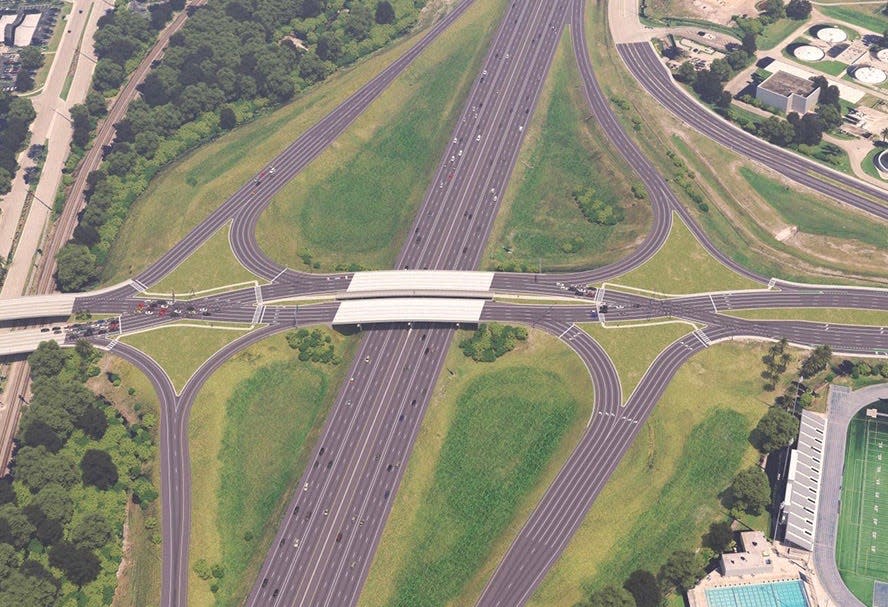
column 862, row 543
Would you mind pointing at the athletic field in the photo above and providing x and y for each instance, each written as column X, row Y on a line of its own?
column 862, row 543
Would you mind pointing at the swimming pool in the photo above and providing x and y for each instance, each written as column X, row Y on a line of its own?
column 772, row 594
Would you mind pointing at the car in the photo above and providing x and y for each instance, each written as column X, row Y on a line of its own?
column 272, row 170
column 478, row 138
column 454, row 140
column 276, row 592
column 265, row 582
column 367, row 359
column 326, row 511
column 305, row 486
column 44, row 330
column 339, row 537
column 296, row 543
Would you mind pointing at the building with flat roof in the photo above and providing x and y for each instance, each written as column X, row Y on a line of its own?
column 788, row 93
column 754, row 558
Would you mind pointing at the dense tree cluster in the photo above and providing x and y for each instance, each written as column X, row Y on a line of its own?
column 816, row 362
column 775, row 363
column 490, row 341
column 57, row 505
column 750, row 491
column 315, row 346
column 597, row 210
column 231, row 60
column 16, row 115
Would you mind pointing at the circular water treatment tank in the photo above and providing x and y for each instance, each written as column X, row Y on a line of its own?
column 882, row 55
column 881, row 161
column 832, row 35
column 806, row 52
column 870, row 75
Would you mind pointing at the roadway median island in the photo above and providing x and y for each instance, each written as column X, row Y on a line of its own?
column 354, row 204
column 460, row 505
column 878, row 318
column 251, row 430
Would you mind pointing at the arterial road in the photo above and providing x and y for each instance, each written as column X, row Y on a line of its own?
column 332, row 525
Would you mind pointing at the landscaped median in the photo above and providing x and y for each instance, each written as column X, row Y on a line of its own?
column 493, row 438
column 244, row 461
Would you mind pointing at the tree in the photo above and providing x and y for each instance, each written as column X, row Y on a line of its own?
column 798, row 9
column 55, row 502
column 709, row 86
column 96, row 104
column 644, row 588
column 98, row 469
column 92, row 532
column 749, row 45
column 884, row 134
column 36, row 467
column 774, row 8
column 49, row 532
column 80, row 566
column 750, row 491
column 29, row 587
column 816, row 362
column 385, row 14
column 722, row 69
column 7, row 493
column 15, row 528
column 809, row 129
column 81, row 125
column 680, row 571
column 227, row 118
column 47, row 360
column 77, row 268
column 93, row 422
column 686, row 73
column 107, row 75
column 777, row 131
column 720, row 537
column 610, row 596
column 31, row 58
column 776, row 429
column 39, row 433
column 725, row 100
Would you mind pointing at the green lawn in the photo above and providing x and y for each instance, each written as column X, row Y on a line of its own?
column 868, row 167
column 814, row 217
column 355, row 203
column 862, row 552
column 181, row 350
column 867, row 16
column 211, row 266
column 692, row 445
column 206, row 177
column 459, row 506
column 682, row 265
column 844, row 316
column 777, row 32
column 540, row 222
column 633, row 349
column 833, row 68
column 245, row 461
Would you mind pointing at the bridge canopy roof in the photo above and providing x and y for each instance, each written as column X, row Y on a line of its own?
column 37, row 306
column 420, row 280
column 408, row 309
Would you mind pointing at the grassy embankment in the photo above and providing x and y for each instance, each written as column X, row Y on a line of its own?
column 204, row 178
column 459, row 506
column 739, row 222
column 867, row 16
column 211, row 266
column 540, row 223
column 354, row 204
column 682, row 265
column 245, row 461
column 692, row 445
column 140, row 583
column 181, row 350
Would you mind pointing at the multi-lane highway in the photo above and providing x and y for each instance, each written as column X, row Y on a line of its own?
column 326, row 541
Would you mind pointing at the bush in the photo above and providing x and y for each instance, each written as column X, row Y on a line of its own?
column 491, row 341
column 315, row 346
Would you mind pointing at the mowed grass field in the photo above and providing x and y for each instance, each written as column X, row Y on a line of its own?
column 540, row 222
column 633, row 349
column 861, row 547
column 840, row 316
column 664, row 493
column 211, row 266
column 250, row 433
column 868, row 16
column 181, row 350
column 681, row 266
column 186, row 192
column 494, row 436
column 355, row 203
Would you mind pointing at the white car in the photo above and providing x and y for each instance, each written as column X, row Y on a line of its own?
column 478, row 138
column 296, row 543
column 305, row 486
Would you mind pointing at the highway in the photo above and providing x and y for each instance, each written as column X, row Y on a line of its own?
column 333, row 523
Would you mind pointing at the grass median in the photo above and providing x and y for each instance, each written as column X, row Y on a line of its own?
column 633, row 349
column 839, row 316
column 493, row 438
column 211, row 266
column 540, row 222
column 250, row 433
column 664, row 493
column 354, row 204
column 181, row 350
column 681, row 266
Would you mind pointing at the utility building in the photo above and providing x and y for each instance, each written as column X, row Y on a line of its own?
column 788, row 93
